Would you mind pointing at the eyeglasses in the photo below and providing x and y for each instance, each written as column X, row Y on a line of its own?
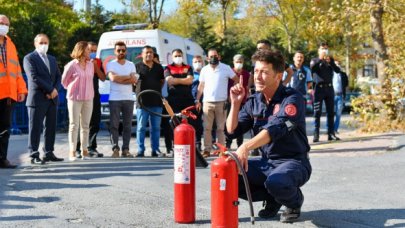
column 121, row 50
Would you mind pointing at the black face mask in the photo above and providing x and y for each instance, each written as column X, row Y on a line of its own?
column 214, row 60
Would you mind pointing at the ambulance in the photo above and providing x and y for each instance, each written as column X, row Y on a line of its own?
column 162, row 42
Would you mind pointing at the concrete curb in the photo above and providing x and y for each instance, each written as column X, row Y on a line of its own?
column 398, row 143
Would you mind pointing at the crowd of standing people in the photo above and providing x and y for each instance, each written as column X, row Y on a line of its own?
column 274, row 114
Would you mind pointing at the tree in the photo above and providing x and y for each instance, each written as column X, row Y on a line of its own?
column 203, row 35
column 29, row 18
column 289, row 14
column 154, row 9
column 377, row 34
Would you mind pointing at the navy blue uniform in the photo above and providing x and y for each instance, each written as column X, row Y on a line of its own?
column 323, row 91
column 284, row 165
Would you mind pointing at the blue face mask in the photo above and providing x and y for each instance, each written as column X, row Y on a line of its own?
column 93, row 55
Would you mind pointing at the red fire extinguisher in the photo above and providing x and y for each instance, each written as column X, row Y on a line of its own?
column 224, row 190
column 184, row 170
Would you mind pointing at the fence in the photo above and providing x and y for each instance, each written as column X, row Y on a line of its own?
column 19, row 123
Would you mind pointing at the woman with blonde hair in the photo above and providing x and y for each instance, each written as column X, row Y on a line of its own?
column 77, row 78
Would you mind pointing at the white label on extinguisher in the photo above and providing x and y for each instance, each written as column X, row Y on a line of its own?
column 182, row 164
column 222, row 184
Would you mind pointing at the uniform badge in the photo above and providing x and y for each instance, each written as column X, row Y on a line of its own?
column 276, row 109
column 290, row 110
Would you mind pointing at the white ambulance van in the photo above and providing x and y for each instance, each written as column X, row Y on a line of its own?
column 162, row 42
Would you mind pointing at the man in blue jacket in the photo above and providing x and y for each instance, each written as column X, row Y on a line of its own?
column 277, row 116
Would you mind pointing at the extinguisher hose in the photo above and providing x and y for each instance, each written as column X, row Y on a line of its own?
column 247, row 188
column 140, row 102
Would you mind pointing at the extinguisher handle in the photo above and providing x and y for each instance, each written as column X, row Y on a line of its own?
column 168, row 107
column 219, row 149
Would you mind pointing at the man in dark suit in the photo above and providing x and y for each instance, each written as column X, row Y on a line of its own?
column 44, row 80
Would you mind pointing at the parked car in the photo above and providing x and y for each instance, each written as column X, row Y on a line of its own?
column 348, row 100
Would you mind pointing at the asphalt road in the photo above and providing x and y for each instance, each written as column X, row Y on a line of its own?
column 348, row 188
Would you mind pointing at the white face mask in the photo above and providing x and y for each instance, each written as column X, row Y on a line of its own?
column 42, row 49
column 3, row 30
column 197, row 66
column 238, row 66
column 178, row 60
column 326, row 51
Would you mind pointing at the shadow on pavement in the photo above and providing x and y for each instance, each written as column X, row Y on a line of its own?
column 360, row 138
column 331, row 150
column 24, row 218
column 356, row 218
column 107, row 168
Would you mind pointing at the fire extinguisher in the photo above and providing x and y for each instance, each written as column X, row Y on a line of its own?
column 184, row 170
column 224, row 189
column 184, row 159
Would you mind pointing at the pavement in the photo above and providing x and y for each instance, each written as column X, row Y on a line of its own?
column 356, row 182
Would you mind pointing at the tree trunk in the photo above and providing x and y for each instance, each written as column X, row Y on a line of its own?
column 348, row 44
column 376, row 13
column 289, row 41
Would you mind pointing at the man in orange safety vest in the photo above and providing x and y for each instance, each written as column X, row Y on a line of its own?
column 12, row 88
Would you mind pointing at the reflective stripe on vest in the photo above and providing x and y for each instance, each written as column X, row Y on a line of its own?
column 2, row 74
column 12, row 61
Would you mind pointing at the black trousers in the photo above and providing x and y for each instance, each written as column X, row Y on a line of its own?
column 324, row 93
column 94, row 126
column 42, row 117
column 6, row 107
column 167, row 131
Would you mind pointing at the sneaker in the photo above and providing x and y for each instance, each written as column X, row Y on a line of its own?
column 78, row 154
column 140, row 155
column 316, row 136
column 125, row 154
column 95, row 154
column 290, row 215
column 116, row 153
column 333, row 137
column 154, row 154
column 5, row 164
column 270, row 209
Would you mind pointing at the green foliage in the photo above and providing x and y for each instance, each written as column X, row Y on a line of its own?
column 202, row 35
column 28, row 18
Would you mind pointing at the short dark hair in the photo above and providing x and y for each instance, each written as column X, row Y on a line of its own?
column 212, row 49
column 91, row 43
column 299, row 52
column 177, row 50
column 323, row 43
column 273, row 57
column 120, row 43
column 147, row 47
column 263, row 41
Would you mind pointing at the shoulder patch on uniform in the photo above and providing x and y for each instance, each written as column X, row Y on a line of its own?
column 290, row 110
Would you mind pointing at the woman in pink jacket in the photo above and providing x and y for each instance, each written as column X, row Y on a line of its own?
column 77, row 78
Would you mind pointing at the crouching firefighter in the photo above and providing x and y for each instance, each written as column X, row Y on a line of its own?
column 277, row 116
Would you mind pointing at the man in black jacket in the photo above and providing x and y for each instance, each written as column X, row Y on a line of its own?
column 322, row 73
